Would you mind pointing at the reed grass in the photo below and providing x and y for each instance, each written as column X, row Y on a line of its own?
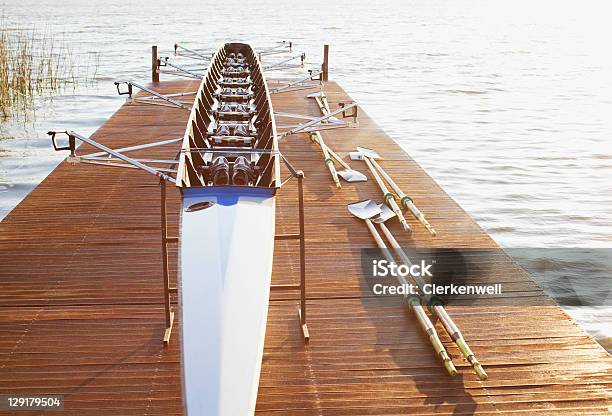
column 33, row 63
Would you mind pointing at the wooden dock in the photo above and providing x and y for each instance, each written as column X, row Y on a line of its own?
column 81, row 310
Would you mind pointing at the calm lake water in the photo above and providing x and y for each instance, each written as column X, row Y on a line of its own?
column 507, row 104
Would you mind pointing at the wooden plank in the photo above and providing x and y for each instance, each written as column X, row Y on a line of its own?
column 81, row 309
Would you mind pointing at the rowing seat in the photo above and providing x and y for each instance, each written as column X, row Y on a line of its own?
column 235, row 63
column 237, row 71
column 233, row 129
column 233, row 108
column 233, row 81
column 234, row 141
column 233, row 116
column 233, row 93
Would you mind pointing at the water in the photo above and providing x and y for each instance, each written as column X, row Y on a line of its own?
column 506, row 104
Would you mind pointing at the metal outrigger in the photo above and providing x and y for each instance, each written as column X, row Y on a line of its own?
column 169, row 102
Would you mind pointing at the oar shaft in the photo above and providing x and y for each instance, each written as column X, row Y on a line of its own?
column 332, row 154
column 401, row 253
column 328, row 161
column 339, row 159
column 389, row 198
column 187, row 71
column 405, row 199
column 416, row 306
column 379, row 241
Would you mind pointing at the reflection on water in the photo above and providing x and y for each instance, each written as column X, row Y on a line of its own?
column 506, row 104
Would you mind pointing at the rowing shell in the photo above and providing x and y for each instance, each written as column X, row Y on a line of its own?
column 228, row 174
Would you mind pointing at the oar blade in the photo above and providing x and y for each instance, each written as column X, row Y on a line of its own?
column 386, row 213
column 364, row 209
column 352, row 175
column 371, row 153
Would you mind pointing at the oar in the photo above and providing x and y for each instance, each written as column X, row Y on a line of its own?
column 439, row 310
column 72, row 136
column 366, row 210
column 405, row 200
column 316, row 136
column 388, row 197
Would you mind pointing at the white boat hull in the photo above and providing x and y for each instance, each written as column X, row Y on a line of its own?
column 226, row 266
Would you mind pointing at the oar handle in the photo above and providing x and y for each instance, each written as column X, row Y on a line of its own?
column 471, row 358
column 415, row 304
column 409, row 204
column 458, row 339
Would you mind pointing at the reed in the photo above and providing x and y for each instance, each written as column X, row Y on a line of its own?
column 33, row 63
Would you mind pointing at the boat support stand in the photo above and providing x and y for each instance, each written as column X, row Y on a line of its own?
column 165, row 240
column 299, row 175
